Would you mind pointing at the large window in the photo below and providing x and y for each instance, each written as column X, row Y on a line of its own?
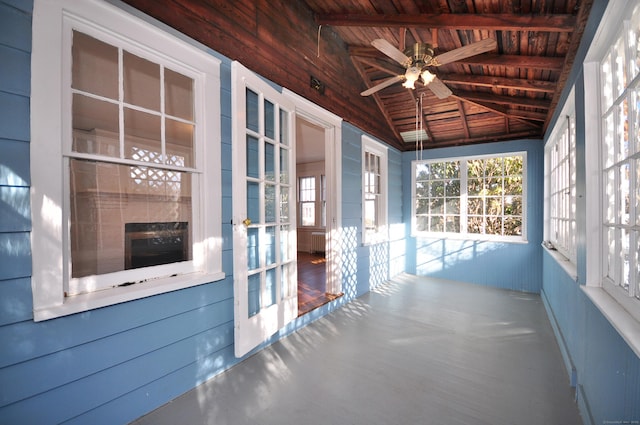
column 560, row 184
column 481, row 197
column 374, row 191
column 120, row 193
column 618, row 72
column 307, row 197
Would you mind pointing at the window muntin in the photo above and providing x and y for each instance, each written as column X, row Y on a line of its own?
column 620, row 161
column 476, row 197
column 374, row 191
column 560, row 185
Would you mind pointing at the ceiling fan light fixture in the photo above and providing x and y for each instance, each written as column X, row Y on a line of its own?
column 427, row 77
column 411, row 76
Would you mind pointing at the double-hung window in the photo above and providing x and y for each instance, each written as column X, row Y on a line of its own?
column 125, row 159
column 612, row 150
column 479, row 198
column 374, row 191
column 560, row 184
column 307, row 197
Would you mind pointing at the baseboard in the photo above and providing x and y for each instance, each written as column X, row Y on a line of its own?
column 564, row 350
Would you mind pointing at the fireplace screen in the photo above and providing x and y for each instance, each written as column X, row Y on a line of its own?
column 152, row 244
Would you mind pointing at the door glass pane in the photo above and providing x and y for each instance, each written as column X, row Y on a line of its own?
column 285, row 251
column 142, row 140
column 95, row 127
column 270, row 287
column 253, row 202
column 179, row 146
column 253, row 248
column 284, row 127
column 95, row 66
column 284, row 165
column 269, row 203
column 253, row 161
column 253, row 117
column 254, row 294
column 141, row 82
column 269, row 162
column 178, row 95
column 269, row 120
column 286, row 279
column 270, row 245
column 284, row 205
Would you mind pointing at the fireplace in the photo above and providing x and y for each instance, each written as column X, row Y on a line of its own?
column 152, row 244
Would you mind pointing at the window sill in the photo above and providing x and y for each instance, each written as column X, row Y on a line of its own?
column 563, row 262
column 117, row 295
column 626, row 325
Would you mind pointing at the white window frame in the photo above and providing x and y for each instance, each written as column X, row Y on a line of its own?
column 560, row 186
column 381, row 233
column 463, row 234
column 618, row 305
column 53, row 22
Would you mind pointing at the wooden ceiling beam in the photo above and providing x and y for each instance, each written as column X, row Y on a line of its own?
column 547, row 63
column 499, row 82
column 455, row 21
column 518, row 101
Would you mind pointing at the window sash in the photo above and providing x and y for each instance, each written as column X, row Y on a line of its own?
column 619, row 85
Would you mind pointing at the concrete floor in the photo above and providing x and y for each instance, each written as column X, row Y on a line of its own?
column 414, row 351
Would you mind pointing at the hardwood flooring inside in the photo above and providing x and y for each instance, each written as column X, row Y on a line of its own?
column 312, row 282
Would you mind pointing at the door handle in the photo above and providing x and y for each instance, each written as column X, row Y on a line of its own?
column 246, row 222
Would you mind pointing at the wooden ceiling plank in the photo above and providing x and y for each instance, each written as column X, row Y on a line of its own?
column 458, row 21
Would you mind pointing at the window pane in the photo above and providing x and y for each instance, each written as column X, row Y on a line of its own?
column 270, row 245
column 269, row 120
column 106, row 199
column 142, row 133
column 178, row 95
column 269, row 162
column 284, row 128
column 95, row 66
column 253, row 118
column 253, row 202
column 270, row 287
column 253, row 158
column 253, row 299
column 270, row 203
column 141, row 82
column 95, row 125
column 179, row 143
column 284, row 165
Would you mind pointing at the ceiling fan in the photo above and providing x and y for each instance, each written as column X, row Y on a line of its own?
column 418, row 58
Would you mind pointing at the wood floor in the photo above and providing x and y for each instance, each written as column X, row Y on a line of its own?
column 312, row 282
column 414, row 351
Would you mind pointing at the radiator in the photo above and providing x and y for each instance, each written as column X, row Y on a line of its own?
column 317, row 242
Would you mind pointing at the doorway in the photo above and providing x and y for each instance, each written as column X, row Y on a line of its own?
column 314, row 220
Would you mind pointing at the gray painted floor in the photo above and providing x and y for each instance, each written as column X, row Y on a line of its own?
column 414, row 351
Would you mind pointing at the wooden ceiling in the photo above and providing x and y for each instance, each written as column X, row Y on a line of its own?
column 506, row 94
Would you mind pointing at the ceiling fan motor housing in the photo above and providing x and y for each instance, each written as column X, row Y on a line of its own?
column 420, row 54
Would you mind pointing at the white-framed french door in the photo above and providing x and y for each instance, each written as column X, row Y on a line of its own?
column 264, row 214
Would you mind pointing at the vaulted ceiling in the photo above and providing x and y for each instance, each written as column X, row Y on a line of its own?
column 322, row 50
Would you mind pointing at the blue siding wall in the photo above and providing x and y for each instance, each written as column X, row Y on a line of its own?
column 114, row 364
column 367, row 266
column 514, row 266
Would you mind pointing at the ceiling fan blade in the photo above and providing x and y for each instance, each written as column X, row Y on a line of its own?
column 382, row 85
column 439, row 89
column 463, row 52
column 390, row 50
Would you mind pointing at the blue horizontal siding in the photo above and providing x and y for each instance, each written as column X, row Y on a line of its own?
column 14, row 163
